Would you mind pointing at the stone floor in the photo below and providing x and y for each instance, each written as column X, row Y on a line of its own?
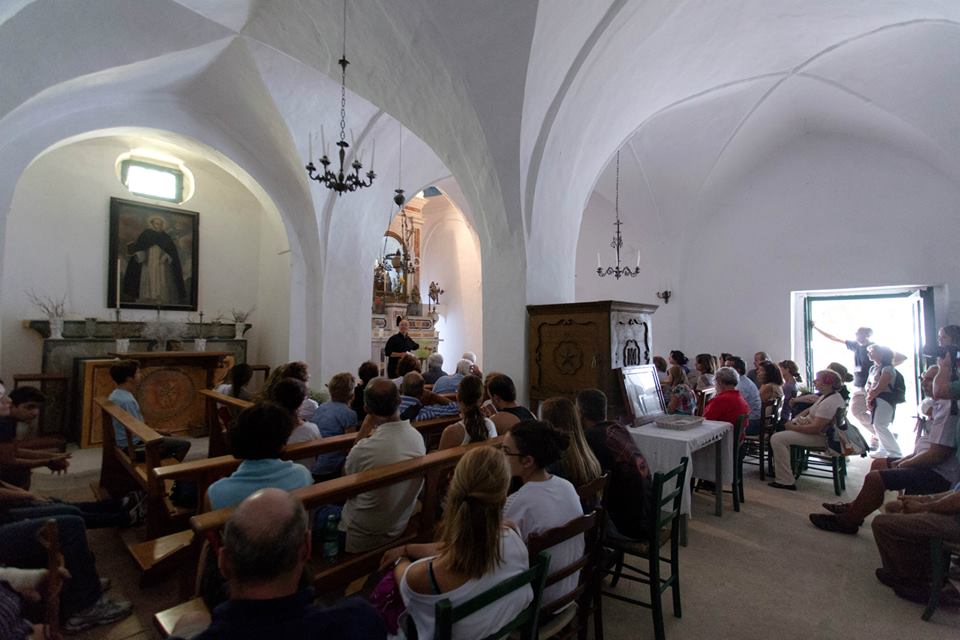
column 763, row 573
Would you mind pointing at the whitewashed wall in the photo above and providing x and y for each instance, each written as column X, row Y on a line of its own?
column 56, row 242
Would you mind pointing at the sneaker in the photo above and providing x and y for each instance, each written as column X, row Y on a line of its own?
column 879, row 452
column 104, row 611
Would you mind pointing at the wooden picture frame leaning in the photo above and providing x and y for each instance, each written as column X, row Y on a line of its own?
column 153, row 255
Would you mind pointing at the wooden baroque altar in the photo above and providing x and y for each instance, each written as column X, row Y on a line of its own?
column 581, row 345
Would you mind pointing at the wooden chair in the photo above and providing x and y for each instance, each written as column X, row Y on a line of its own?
column 736, row 489
column 525, row 624
column 668, row 491
column 940, row 552
column 704, row 396
column 584, row 599
column 757, row 447
column 805, row 461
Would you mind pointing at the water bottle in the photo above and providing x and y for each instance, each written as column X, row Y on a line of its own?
column 331, row 538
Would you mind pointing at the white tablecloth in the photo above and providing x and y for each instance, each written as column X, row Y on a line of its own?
column 663, row 449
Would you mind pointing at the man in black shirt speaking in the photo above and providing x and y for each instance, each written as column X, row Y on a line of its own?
column 398, row 344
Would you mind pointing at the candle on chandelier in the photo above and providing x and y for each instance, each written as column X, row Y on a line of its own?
column 373, row 153
column 598, row 260
column 323, row 140
column 638, row 258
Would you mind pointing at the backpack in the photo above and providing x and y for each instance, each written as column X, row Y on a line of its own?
column 845, row 440
column 898, row 390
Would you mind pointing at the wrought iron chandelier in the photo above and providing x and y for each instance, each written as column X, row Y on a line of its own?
column 340, row 180
column 617, row 242
column 401, row 261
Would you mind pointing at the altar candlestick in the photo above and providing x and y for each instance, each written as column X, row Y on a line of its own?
column 117, row 292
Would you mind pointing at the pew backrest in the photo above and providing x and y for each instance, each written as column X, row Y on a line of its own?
column 219, row 412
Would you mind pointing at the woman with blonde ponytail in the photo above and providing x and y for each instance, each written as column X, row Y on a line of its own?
column 577, row 464
column 473, row 426
column 476, row 551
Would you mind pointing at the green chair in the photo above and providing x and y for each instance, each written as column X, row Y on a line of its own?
column 668, row 491
column 757, row 447
column 805, row 461
column 526, row 621
column 940, row 552
column 584, row 600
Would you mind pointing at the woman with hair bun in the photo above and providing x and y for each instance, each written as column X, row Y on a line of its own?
column 473, row 426
column 476, row 551
column 544, row 501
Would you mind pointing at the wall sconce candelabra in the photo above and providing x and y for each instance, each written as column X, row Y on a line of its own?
column 617, row 242
column 665, row 295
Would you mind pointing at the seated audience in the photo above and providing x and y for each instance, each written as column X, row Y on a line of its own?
column 661, row 365
column 448, row 384
column 933, row 467
column 434, row 368
column 758, row 358
column 578, row 465
column 408, row 362
column 771, row 382
column 257, row 437
column 290, row 393
column 20, row 504
column 677, row 370
column 805, row 401
column 706, row 367
column 728, row 404
column 367, row 372
column 503, row 397
column 266, row 544
column 82, row 603
column 790, row 373
column 299, row 371
column 544, row 501
column 17, row 462
column 234, row 382
column 335, row 418
column 750, row 393
column 473, row 426
column 807, row 428
column 126, row 374
column 477, row 550
column 683, row 400
column 375, row 517
column 411, row 406
column 903, row 536
column 629, row 492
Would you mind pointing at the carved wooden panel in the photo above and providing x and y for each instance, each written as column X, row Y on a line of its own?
column 567, row 354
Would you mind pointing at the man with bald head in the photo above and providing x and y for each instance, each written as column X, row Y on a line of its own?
column 397, row 346
column 265, row 545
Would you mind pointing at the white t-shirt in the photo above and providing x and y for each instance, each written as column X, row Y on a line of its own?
column 307, row 409
column 306, row 431
column 827, row 406
column 422, row 606
column 942, row 431
column 487, row 422
column 539, row 506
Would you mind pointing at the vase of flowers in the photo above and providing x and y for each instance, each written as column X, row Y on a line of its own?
column 240, row 321
column 54, row 309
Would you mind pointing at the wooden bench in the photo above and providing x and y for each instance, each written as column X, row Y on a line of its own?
column 220, row 410
column 331, row 577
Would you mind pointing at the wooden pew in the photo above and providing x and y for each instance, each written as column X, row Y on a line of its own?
column 120, row 472
column 336, row 576
column 158, row 554
column 220, row 410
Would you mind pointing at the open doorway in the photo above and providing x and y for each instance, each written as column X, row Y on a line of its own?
column 901, row 321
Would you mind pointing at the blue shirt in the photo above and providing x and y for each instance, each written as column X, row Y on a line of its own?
column 332, row 419
column 447, row 384
column 253, row 475
column 125, row 400
column 751, row 394
column 438, row 411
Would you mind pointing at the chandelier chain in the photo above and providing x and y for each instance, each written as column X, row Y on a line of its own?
column 617, row 242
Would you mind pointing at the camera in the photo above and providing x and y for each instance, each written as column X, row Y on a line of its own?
column 936, row 351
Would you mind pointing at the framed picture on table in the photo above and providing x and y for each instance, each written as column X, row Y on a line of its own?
column 642, row 395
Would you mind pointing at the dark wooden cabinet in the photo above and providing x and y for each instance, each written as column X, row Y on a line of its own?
column 580, row 345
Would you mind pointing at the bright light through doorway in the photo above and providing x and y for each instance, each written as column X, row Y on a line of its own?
column 892, row 321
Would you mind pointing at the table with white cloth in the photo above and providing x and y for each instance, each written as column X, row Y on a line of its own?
column 663, row 449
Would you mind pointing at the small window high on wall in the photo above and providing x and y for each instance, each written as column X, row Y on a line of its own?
column 152, row 180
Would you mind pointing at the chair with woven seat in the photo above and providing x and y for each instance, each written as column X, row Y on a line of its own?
column 806, row 461
column 940, row 552
column 668, row 491
column 757, row 447
column 576, row 606
column 524, row 624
